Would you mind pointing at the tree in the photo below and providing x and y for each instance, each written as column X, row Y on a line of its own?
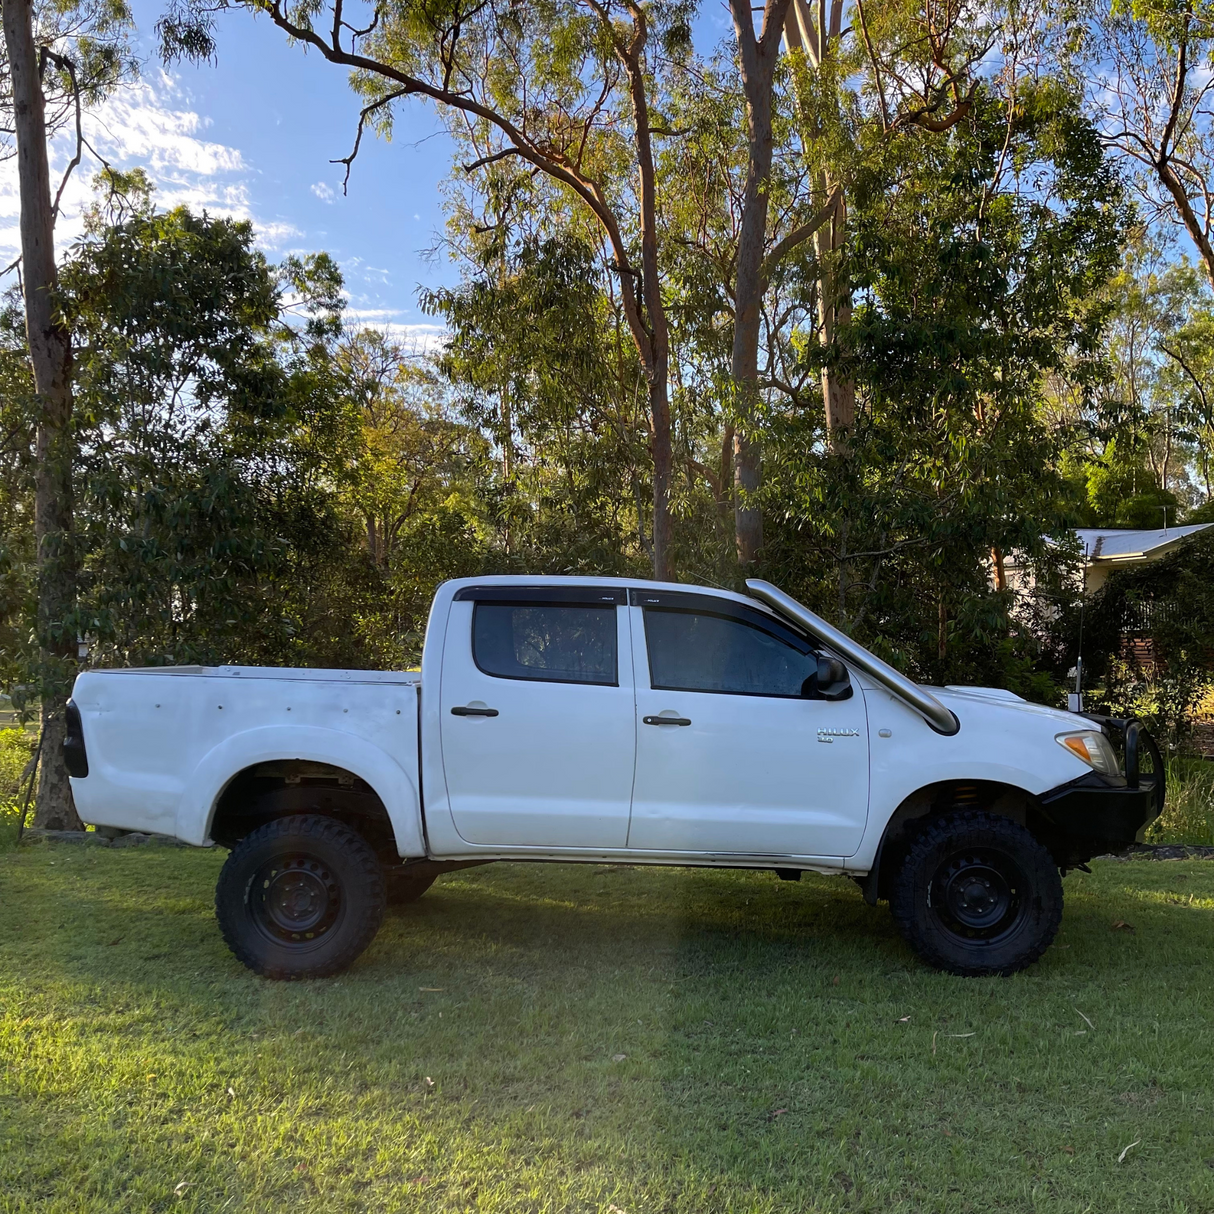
column 32, row 55
column 968, row 290
column 1147, row 431
column 1191, row 352
column 758, row 55
column 1151, row 84
column 566, row 87
column 535, row 338
column 216, row 444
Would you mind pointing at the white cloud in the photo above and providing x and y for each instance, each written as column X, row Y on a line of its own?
column 275, row 235
column 146, row 124
column 424, row 339
column 419, row 338
column 371, row 315
column 326, row 193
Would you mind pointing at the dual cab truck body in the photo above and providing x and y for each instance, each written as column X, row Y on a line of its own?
column 618, row 721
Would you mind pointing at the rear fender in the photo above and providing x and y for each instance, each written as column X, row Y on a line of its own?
column 393, row 785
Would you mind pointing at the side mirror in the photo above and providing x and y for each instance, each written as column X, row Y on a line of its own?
column 829, row 682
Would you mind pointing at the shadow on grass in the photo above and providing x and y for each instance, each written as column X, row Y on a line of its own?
column 573, row 1037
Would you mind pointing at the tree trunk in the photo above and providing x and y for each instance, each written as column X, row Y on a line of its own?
column 999, row 568
column 653, row 339
column 51, row 356
column 816, row 34
column 659, row 407
column 834, row 309
column 757, row 58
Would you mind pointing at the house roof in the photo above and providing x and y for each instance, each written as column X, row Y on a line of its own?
column 1123, row 545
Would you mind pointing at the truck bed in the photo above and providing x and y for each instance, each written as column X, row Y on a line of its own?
column 164, row 741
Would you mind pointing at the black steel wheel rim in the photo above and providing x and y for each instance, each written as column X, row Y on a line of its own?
column 978, row 895
column 295, row 900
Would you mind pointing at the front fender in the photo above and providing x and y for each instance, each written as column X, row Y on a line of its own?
column 314, row 744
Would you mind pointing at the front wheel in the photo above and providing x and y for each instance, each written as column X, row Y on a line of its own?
column 300, row 897
column 977, row 894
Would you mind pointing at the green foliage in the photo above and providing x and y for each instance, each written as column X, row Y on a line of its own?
column 1148, row 428
column 16, row 750
column 542, row 365
column 969, row 292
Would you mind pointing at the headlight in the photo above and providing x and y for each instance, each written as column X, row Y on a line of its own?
column 1093, row 748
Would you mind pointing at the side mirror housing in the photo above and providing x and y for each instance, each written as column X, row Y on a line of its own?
column 829, row 682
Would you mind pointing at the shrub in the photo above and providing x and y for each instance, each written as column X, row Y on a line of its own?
column 16, row 749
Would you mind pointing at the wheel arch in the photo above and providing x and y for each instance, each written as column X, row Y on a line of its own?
column 366, row 781
column 948, row 796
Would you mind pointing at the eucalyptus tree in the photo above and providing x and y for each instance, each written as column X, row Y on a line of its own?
column 901, row 69
column 565, row 86
column 978, row 258
column 758, row 56
column 537, row 338
column 1191, row 349
column 57, row 59
column 412, row 455
column 1150, row 70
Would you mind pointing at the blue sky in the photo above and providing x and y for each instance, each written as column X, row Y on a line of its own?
column 289, row 113
column 253, row 134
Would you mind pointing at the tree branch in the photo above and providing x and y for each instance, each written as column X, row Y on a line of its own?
column 65, row 65
column 364, row 114
column 490, row 159
column 801, row 234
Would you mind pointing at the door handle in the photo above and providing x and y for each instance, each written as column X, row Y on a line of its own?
column 667, row 720
column 461, row 711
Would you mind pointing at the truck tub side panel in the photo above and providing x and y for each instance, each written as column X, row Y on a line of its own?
column 271, row 743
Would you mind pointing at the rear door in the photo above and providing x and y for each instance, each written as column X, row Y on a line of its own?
column 538, row 722
column 732, row 758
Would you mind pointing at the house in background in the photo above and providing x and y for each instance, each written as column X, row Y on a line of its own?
column 1106, row 549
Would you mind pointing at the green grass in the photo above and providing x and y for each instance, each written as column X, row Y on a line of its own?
column 781, row 1050
column 1188, row 815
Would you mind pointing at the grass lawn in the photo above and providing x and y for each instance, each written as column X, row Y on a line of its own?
column 566, row 1038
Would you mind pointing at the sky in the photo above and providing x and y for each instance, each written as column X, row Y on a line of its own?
column 252, row 135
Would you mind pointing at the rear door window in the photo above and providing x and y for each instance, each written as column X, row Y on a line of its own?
column 552, row 642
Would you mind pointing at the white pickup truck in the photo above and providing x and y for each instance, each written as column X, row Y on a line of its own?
column 619, row 721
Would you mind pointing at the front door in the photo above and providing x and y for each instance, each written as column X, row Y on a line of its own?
column 732, row 757
column 538, row 723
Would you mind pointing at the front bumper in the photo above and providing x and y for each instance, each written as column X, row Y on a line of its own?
column 1101, row 811
column 1090, row 808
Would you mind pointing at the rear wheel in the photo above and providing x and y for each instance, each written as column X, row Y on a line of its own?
column 977, row 894
column 300, row 897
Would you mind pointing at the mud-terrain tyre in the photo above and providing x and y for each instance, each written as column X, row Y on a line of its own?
column 403, row 888
column 300, row 897
column 977, row 895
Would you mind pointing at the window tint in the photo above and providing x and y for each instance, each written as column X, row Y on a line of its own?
column 700, row 651
column 557, row 642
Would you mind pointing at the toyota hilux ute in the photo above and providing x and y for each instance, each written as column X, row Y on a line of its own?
column 609, row 720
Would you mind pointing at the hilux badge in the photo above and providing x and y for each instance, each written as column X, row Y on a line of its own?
column 829, row 735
